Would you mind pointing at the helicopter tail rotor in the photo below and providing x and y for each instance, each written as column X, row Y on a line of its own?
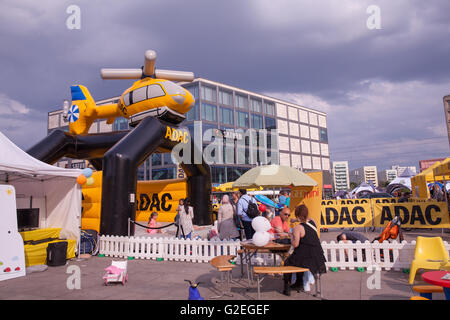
column 147, row 71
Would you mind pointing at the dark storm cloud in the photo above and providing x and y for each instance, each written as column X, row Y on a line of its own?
column 291, row 49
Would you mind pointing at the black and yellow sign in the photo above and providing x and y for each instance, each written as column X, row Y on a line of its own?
column 177, row 135
column 346, row 213
column 413, row 214
column 378, row 212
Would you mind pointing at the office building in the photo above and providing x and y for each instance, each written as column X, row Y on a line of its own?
column 301, row 136
column 367, row 174
column 341, row 177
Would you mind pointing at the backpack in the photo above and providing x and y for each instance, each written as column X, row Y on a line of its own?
column 252, row 210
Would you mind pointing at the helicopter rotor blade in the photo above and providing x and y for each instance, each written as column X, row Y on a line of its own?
column 174, row 75
column 149, row 66
column 121, row 73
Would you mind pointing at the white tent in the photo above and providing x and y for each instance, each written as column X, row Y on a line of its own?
column 53, row 190
column 402, row 181
column 363, row 187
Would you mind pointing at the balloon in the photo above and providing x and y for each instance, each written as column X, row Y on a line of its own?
column 261, row 224
column 87, row 172
column 90, row 181
column 261, row 238
column 262, row 208
column 81, row 179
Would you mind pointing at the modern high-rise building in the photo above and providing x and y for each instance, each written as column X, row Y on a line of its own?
column 341, row 177
column 301, row 135
column 366, row 174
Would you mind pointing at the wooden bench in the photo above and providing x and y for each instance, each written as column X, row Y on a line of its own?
column 281, row 270
column 427, row 291
column 223, row 265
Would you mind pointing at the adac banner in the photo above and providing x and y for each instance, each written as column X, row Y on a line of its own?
column 161, row 196
column 349, row 213
column 430, row 214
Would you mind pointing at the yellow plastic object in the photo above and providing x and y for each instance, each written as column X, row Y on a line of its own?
column 37, row 254
column 143, row 95
column 430, row 253
column 418, row 298
column 40, row 234
column 160, row 196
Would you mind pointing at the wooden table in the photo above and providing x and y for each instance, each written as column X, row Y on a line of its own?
column 434, row 278
column 250, row 249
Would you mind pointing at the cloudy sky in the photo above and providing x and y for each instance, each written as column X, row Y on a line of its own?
column 382, row 89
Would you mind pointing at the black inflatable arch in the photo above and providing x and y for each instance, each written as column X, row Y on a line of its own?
column 119, row 154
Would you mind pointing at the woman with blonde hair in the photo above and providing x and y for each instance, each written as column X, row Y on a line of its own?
column 225, row 218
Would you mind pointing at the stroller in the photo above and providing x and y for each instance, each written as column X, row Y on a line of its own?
column 116, row 272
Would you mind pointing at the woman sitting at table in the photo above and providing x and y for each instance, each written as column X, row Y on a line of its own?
column 308, row 252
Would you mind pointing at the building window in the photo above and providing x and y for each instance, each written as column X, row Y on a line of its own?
column 242, row 119
column 208, row 93
column 218, row 174
column 226, row 116
column 255, row 105
column 120, row 124
column 193, row 90
column 193, row 114
column 241, row 101
column 269, row 108
column 270, row 123
column 257, row 122
column 168, row 158
column 156, row 159
column 163, row 174
column 209, row 112
column 225, row 97
column 141, row 172
column 323, row 135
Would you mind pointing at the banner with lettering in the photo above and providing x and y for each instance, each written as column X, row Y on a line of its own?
column 430, row 214
column 351, row 213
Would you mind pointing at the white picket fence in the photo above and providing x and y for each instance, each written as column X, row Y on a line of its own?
column 386, row 255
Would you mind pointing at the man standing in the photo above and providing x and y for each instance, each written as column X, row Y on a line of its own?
column 242, row 207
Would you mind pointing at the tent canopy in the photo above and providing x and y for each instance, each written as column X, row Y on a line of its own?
column 419, row 182
column 443, row 168
column 52, row 189
column 274, row 176
column 363, row 187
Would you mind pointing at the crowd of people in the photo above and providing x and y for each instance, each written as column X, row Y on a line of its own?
column 234, row 223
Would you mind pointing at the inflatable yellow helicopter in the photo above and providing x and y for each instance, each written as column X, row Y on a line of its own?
column 154, row 94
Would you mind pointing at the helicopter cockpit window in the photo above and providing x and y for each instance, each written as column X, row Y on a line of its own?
column 139, row 94
column 126, row 99
column 172, row 88
column 154, row 91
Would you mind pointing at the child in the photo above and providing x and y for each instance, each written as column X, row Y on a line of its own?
column 153, row 224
